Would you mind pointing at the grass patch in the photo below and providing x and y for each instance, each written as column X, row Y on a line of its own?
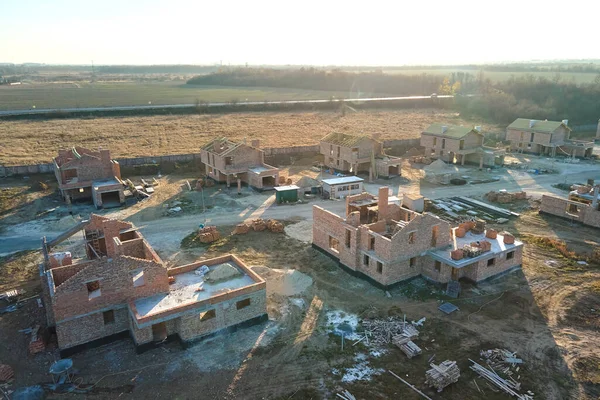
column 560, row 247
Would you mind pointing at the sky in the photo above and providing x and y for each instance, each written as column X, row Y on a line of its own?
column 308, row 32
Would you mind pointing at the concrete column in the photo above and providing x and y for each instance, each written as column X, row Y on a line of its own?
column 462, row 159
column 480, row 162
column 598, row 131
column 228, row 181
column 239, row 185
column 595, row 197
column 370, row 174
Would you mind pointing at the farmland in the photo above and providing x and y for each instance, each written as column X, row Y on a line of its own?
column 37, row 141
column 111, row 94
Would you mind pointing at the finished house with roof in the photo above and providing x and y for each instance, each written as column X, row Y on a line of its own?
column 358, row 153
column 454, row 144
column 550, row 138
column 227, row 161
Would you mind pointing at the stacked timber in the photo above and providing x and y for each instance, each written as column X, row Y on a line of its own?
column 440, row 376
column 410, row 349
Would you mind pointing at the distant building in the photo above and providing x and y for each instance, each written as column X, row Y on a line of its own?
column 358, row 153
column 550, row 138
column 337, row 188
column 459, row 144
column 83, row 174
column 227, row 161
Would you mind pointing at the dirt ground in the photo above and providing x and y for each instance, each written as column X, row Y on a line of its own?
column 32, row 142
column 547, row 313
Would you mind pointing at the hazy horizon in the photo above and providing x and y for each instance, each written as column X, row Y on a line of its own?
column 333, row 33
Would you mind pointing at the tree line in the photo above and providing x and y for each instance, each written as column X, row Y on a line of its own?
column 533, row 97
column 362, row 83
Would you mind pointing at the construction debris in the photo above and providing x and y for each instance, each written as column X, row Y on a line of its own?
column 208, row 234
column 501, row 360
column 440, row 376
column 382, row 331
column 508, row 385
column 346, row 395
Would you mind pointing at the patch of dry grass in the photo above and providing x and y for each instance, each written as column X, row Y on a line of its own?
column 32, row 142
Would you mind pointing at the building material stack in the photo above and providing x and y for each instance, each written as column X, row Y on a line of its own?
column 6, row 373
column 36, row 344
column 208, row 234
column 241, row 229
column 259, row 225
column 440, row 376
column 274, row 226
column 405, row 341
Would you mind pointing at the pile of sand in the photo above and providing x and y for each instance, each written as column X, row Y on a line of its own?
column 222, row 272
column 284, row 282
column 300, row 231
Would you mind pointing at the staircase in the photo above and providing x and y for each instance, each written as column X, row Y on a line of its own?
column 453, row 289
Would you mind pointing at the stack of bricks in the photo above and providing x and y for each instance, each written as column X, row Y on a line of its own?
column 457, row 254
column 209, row 234
column 460, row 232
column 479, row 227
column 241, row 229
column 6, row 373
column 491, row 234
column 274, row 226
column 36, row 344
column 282, row 180
column 508, row 238
column 259, row 225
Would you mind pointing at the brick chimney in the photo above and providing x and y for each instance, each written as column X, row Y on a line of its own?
column 383, row 200
column 105, row 156
column 255, row 143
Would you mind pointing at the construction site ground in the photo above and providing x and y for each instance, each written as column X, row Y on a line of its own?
column 548, row 313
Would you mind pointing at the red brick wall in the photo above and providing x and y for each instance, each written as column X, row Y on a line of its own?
column 116, row 285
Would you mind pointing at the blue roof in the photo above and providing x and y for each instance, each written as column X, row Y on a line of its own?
column 345, row 179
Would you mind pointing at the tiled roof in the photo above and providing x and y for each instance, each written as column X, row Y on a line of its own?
column 538, row 126
column 452, row 131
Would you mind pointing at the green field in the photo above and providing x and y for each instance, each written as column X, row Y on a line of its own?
column 106, row 94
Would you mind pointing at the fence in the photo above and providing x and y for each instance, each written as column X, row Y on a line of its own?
column 271, row 153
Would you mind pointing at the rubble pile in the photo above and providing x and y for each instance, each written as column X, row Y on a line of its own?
column 259, row 225
column 208, row 234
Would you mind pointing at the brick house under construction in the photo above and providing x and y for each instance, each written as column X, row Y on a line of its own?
column 358, row 153
column 227, row 161
column 388, row 243
column 83, row 174
column 454, row 144
column 582, row 205
column 122, row 288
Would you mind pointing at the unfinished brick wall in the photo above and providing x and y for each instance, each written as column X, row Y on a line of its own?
column 110, row 228
column 226, row 314
column 560, row 207
column 434, row 143
column 347, row 158
column 501, row 264
column 71, row 298
column 90, row 327
column 132, row 248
